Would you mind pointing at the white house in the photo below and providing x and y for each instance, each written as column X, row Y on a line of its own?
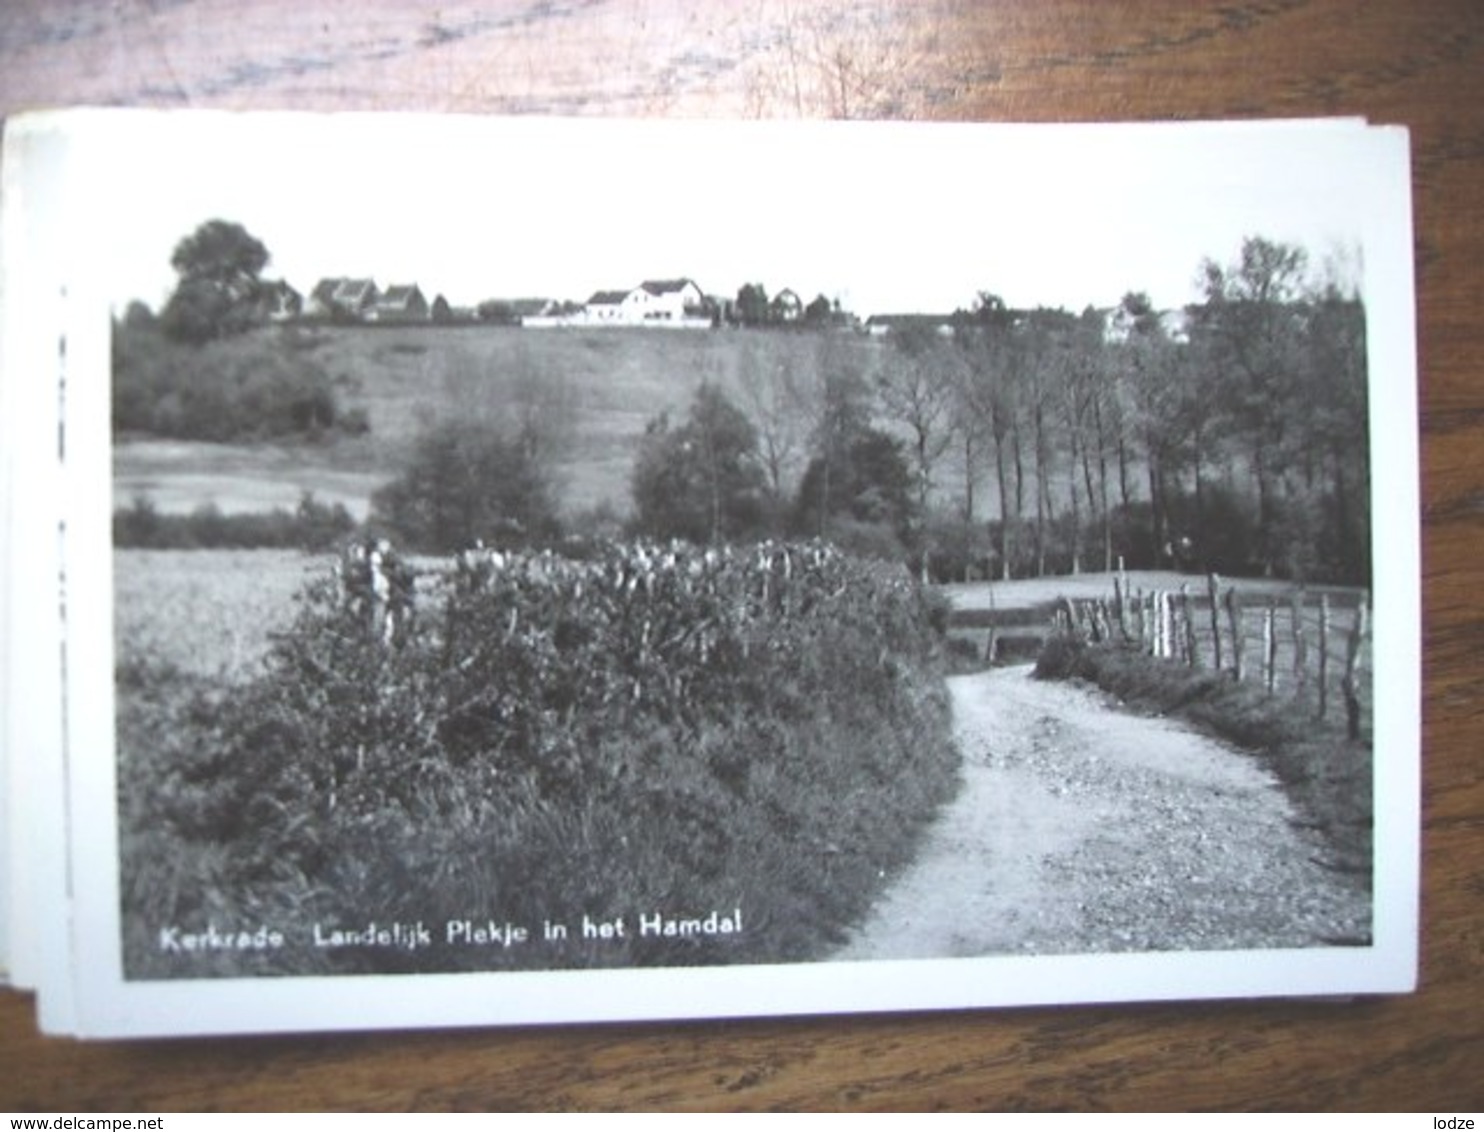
column 655, row 302
column 399, row 303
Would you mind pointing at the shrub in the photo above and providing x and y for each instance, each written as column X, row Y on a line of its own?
column 1062, row 657
column 648, row 729
column 312, row 526
column 865, row 482
column 258, row 385
column 468, row 480
column 702, row 481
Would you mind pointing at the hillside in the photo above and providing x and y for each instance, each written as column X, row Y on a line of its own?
column 598, row 388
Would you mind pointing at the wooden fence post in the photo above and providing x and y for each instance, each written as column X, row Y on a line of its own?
column 1350, row 685
column 1270, row 646
column 1177, row 627
column 1161, row 623
column 1122, row 578
column 1213, row 587
column 1171, row 628
column 1234, row 616
column 1323, row 656
column 1191, row 656
column 1300, row 644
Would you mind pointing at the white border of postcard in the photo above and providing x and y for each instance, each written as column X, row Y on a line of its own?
column 70, row 946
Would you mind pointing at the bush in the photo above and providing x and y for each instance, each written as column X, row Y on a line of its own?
column 952, row 550
column 702, row 481
column 312, row 526
column 257, row 385
column 468, row 481
column 867, row 483
column 1062, row 657
column 650, row 729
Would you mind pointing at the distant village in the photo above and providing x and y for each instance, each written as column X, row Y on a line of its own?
column 678, row 304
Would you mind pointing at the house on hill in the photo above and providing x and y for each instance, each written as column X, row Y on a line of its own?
column 528, row 312
column 655, row 302
column 786, row 306
column 281, row 301
column 609, row 307
column 546, row 312
column 537, row 308
column 674, row 300
column 342, row 299
column 400, row 303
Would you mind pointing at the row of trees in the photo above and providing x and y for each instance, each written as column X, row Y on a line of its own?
column 1231, row 435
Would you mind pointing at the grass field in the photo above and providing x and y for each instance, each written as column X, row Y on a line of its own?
column 207, row 613
column 1033, row 593
column 605, row 384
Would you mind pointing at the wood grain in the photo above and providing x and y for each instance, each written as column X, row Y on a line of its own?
column 1420, row 64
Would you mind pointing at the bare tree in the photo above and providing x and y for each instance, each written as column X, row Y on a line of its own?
column 772, row 392
column 835, row 405
column 991, row 400
column 917, row 385
column 830, row 58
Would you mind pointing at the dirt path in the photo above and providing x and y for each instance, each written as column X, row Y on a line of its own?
column 1081, row 829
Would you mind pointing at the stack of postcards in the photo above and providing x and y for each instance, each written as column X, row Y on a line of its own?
column 467, row 572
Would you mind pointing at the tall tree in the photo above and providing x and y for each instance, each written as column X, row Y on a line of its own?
column 219, row 292
column 870, row 485
column 701, row 481
column 771, row 391
column 1149, row 385
column 987, row 334
column 1337, row 382
column 819, row 312
column 1085, row 404
column 467, row 481
column 1253, row 328
column 1044, row 341
column 836, row 402
column 917, row 385
column 752, row 305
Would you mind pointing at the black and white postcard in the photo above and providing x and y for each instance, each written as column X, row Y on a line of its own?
column 478, row 572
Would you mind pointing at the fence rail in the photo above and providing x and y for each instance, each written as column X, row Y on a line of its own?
column 1306, row 646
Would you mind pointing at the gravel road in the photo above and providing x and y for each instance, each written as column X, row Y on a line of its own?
column 1081, row 829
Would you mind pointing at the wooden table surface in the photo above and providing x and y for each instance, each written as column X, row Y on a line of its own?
column 1394, row 61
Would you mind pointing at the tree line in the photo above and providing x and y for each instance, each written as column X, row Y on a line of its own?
column 1230, row 435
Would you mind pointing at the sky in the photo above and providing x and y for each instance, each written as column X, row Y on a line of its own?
column 886, row 217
